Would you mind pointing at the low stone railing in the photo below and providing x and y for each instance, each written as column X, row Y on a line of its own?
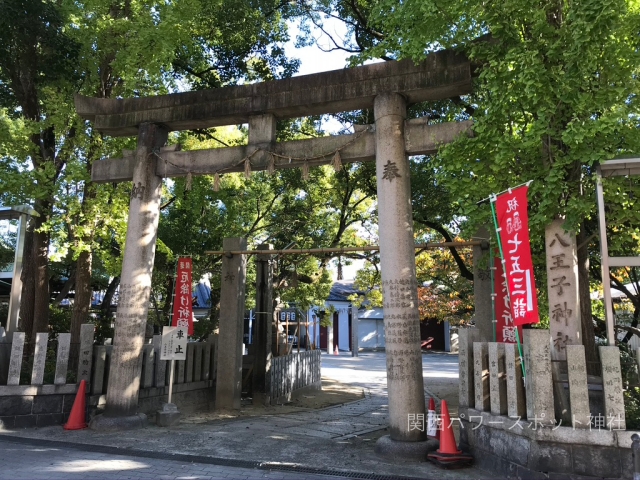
column 509, row 422
column 37, row 403
column 40, row 404
column 294, row 372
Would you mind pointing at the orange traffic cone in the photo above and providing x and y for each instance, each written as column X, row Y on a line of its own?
column 447, row 439
column 448, row 454
column 336, row 352
column 432, row 420
column 77, row 419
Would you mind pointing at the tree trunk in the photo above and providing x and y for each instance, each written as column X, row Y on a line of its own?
column 588, row 333
column 105, row 306
column 103, row 325
column 41, row 273
column 166, row 308
column 82, row 302
column 27, row 301
column 68, row 285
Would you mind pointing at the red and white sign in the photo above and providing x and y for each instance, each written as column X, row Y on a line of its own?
column 505, row 329
column 182, row 311
column 513, row 219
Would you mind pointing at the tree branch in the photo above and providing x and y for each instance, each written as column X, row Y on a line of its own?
column 464, row 271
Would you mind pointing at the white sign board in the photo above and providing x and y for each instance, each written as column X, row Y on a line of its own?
column 174, row 343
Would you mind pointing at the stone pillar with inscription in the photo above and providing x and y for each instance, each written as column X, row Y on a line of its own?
column 612, row 388
column 483, row 313
column 516, row 402
column 482, row 399
column 578, row 387
column 497, row 378
column 562, row 286
column 538, row 383
column 263, row 326
column 564, row 305
column 466, row 339
column 121, row 410
column 399, row 285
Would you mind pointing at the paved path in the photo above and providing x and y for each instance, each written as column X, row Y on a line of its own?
column 369, row 371
column 333, row 440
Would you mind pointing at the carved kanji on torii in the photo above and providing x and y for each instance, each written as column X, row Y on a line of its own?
column 386, row 87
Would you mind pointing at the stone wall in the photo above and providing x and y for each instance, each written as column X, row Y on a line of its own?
column 40, row 404
column 51, row 404
column 546, row 420
column 191, row 397
column 27, row 406
column 501, row 447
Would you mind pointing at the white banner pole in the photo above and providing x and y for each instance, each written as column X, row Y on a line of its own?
column 171, row 380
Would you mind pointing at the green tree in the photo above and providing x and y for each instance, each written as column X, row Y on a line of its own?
column 283, row 209
column 104, row 48
column 37, row 79
column 556, row 92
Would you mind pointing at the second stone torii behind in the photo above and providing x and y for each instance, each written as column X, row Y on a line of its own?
column 387, row 87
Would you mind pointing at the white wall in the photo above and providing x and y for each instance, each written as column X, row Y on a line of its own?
column 381, row 338
column 343, row 317
column 368, row 333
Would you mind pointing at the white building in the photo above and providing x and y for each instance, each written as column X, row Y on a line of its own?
column 340, row 331
column 370, row 325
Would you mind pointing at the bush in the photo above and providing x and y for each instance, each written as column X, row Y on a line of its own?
column 632, row 408
column 59, row 321
column 630, row 382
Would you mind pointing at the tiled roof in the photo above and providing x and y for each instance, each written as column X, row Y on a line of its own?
column 341, row 290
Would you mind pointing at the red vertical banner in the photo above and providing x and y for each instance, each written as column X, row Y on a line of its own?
column 505, row 329
column 182, row 309
column 513, row 221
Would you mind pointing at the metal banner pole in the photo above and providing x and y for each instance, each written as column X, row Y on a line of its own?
column 171, row 380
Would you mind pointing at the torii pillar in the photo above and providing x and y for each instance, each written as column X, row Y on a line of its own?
column 121, row 411
column 399, row 285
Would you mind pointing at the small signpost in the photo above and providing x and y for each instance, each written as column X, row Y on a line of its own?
column 174, row 338
column 173, row 347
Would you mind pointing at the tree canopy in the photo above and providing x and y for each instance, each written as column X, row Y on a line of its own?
column 555, row 92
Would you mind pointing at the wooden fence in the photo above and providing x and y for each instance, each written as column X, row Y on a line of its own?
column 293, row 372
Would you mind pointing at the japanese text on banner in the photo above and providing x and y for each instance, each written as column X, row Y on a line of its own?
column 505, row 329
column 513, row 220
column 182, row 310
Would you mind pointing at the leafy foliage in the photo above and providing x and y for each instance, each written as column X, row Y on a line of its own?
column 555, row 93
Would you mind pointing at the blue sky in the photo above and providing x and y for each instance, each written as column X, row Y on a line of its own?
column 313, row 59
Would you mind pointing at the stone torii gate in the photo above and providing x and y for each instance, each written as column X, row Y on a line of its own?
column 387, row 87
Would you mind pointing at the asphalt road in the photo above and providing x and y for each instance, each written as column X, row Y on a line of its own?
column 21, row 461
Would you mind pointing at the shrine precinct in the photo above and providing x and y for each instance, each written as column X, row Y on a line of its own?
column 388, row 88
